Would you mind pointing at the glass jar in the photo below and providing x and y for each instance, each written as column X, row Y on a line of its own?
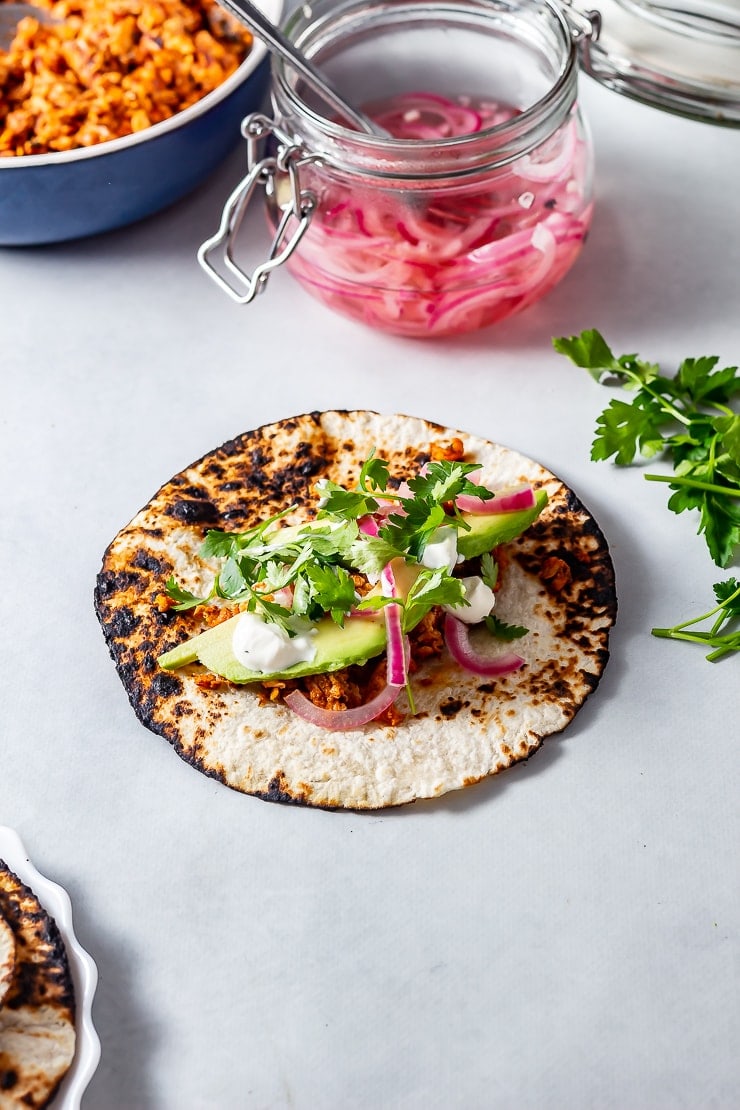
column 437, row 234
column 476, row 199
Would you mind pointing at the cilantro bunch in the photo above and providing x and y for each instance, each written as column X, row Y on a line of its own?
column 428, row 505
column 259, row 563
column 689, row 421
column 317, row 561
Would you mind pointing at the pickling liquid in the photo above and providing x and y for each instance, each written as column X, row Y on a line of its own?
column 446, row 257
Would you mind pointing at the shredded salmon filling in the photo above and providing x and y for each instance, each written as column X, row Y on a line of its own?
column 556, row 573
column 102, row 69
column 454, row 451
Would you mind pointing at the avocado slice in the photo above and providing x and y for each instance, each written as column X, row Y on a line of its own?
column 360, row 638
column 489, row 531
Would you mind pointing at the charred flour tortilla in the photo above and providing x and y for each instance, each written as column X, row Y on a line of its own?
column 7, row 956
column 559, row 583
column 37, row 1012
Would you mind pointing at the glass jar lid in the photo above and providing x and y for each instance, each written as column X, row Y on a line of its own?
column 679, row 55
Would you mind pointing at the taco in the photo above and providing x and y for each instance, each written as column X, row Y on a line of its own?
column 37, row 1011
column 383, row 500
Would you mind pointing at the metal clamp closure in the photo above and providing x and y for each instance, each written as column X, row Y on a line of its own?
column 217, row 256
column 585, row 26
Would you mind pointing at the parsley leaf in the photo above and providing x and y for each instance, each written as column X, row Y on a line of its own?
column 723, row 635
column 624, row 428
column 591, row 351
column 686, row 420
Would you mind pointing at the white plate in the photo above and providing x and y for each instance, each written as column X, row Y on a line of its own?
column 55, row 901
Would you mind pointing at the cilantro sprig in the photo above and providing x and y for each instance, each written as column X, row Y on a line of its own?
column 431, row 505
column 687, row 419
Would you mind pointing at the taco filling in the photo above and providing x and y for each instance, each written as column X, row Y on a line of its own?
column 355, row 610
column 390, row 569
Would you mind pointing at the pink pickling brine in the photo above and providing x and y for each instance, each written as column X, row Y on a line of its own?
column 447, row 253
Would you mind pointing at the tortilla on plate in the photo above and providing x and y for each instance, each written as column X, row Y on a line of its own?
column 7, row 956
column 559, row 583
column 37, row 1012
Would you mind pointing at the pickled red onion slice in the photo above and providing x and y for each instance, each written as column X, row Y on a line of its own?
column 457, row 637
column 507, row 501
column 341, row 720
column 424, row 115
column 396, row 645
column 368, row 525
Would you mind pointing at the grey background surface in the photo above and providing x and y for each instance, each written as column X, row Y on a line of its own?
column 564, row 935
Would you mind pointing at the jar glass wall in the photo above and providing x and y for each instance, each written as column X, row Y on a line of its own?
column 475, row 198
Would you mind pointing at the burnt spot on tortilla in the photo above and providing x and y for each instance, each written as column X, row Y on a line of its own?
column 8, row 1079
column 233, row 516
column 144, row 560
column 194, row 491
column 279, row 790
column 113, row 582
column 165, row 685
column 452, row 707
column 213, row 469
column 193, row 512
column 123, row 622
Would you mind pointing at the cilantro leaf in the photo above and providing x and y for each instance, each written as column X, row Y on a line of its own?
column 443, row 481
column 720, row 529
column 330, row 590
column 503, row 631
column 489, row 570
column 231, row 580
column 728, row 596
column 184, row 598
column 219, row 544
column 374, row 474
column 411, row 531
column 728, row 429
column 685, row 419
column 347, row 503
column 370, row 554
column 432, row 587
column 697, row 378
column 591, row 351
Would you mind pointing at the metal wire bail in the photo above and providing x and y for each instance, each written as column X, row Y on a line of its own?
column 217, row 254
